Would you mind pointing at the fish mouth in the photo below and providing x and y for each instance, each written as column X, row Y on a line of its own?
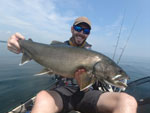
column 119, row 84
column 119, row 77
column 119, row 81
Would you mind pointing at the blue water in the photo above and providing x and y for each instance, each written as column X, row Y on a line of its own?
column 18, row 83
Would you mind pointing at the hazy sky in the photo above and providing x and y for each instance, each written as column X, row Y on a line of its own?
column 47, row 20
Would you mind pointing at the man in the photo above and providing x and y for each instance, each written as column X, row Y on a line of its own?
column 65, row 98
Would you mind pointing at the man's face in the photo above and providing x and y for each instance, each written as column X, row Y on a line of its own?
column 79, row 37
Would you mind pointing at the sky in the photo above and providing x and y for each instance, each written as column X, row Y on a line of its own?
column 47, row 20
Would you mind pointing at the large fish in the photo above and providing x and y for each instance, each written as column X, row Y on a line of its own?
column 64, row 60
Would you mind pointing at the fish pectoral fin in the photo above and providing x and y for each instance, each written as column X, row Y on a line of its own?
column 44, row 71
column 25, row 59
column 85, row 81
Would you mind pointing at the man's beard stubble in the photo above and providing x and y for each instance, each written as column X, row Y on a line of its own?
column 79, row 35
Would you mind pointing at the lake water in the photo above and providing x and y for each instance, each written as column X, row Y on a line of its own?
column 18, row 83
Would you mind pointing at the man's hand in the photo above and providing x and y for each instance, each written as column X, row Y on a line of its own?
column 78, row 73
column 12, row 43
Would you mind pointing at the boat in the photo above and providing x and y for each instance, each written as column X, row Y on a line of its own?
column 140, row 89
column 137, row 88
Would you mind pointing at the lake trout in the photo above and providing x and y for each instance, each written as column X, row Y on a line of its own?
column 64, row 60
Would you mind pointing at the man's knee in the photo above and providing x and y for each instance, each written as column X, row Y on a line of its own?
column 127, row 100
column 111, row 101
column 51, row 100
column 43, row 97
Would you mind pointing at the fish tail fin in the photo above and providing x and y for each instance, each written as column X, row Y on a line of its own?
column 25, row 59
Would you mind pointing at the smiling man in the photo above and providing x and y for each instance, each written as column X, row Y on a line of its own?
column 80, row 32
column 69, row 97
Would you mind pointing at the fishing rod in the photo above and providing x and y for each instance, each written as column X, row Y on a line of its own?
column 129, row 36
column 125, row 80
column 116, row 46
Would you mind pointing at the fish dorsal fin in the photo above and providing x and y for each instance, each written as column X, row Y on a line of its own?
column 25, row 58
column 56, row 42
column 44, row 71
column 30, row 40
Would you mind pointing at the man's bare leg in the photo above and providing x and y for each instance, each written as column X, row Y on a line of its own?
column 112, row 102
column 47, row 102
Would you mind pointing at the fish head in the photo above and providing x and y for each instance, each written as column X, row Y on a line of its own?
column 111, row 73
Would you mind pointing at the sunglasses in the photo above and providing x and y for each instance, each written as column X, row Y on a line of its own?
column 79, row 29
